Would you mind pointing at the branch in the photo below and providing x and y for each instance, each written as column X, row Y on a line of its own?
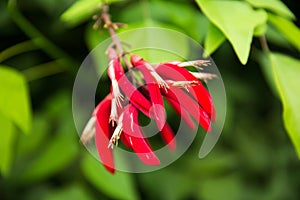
column 105, row 18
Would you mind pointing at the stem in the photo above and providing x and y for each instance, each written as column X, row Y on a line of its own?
column 17, row 49
column 263, row 43
column 38, row 38
column 43, row 70
column 111, row 29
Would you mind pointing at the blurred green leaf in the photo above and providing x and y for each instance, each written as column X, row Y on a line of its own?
column 162, row 42
column 264, row 61
column 117, row 186
column 167, row 184
column 27, row 144
column 237, row 20
column 213, row 39
column 7, row 138
column 14, row 98
column 275, row 6
column 287, row 28
column 260, row 30
column 275, row 37
column 74, row 192
column 227, row 187
column 58, row 153
column 286, row 72
column 167, row 12
column 81, row 10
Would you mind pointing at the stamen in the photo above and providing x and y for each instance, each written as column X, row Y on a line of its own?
column 195, row 63
column 113, row 112
column 204, row 76
column 184, row 84
column 88, row 131
column 158, row 78
column 117, row 93
column 116, row 135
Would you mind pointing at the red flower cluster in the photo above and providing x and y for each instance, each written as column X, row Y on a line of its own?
column 116, row 117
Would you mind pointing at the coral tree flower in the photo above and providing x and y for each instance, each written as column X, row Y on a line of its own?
column 116, row 117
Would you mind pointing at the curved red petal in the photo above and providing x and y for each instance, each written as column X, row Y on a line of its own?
column 173, row 72
column 103, row 131
column 156, row 97
column 190, row 105
column 105, row 153
column 168, row 136
column 135, row 138
column 182, row 112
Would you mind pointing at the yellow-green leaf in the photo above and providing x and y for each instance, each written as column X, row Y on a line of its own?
column 286, row 72
column 213, row 39
column 237, row 20
column 275, row 6
column 117, row 186
column 82, row 10
column 287, row 28
column 14, row 98
column 6, row 144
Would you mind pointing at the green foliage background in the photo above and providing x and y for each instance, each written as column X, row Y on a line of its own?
column 42, row 47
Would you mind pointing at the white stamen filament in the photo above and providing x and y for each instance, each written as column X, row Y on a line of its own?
column 132, row 122
column 195, row 63
column 88, row 131
column 113, row 112
column 204, row 76
column 116, row 92
column 116, row 134
column 160, row 81
column 184, row 84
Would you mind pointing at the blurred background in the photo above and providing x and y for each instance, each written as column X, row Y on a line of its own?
column 253, row 159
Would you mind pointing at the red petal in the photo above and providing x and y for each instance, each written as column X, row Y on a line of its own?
column 135, row 137
column 103, row 131
column 168, row 136
column 175, row 73
column 156, row 97
column 135, row 96
column 182, row 112
column 137, row 60
column 190, row 105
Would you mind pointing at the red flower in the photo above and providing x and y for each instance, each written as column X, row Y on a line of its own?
column 116, row 117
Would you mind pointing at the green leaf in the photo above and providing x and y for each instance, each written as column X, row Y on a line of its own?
column 156, row 42
column 53, row 158
column 275, row 37
column 14, row 98
column 175, row 184
column 82, row 10
column 6, row 144
column 275, row 6
column 263, row 59
column 286, row 72
column 287, row 28
column 213, row 39
column 74, row 192
column 28, row 144
column 117, row 186
column 218, row 188
column 237, row 20
column 260, row 30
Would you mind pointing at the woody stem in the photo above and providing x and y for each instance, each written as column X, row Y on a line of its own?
column 111, row 29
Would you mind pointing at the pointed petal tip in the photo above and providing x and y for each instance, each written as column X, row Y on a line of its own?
column 110, row 169
column 135, row 59
column 149, row 158
column 172, row 145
